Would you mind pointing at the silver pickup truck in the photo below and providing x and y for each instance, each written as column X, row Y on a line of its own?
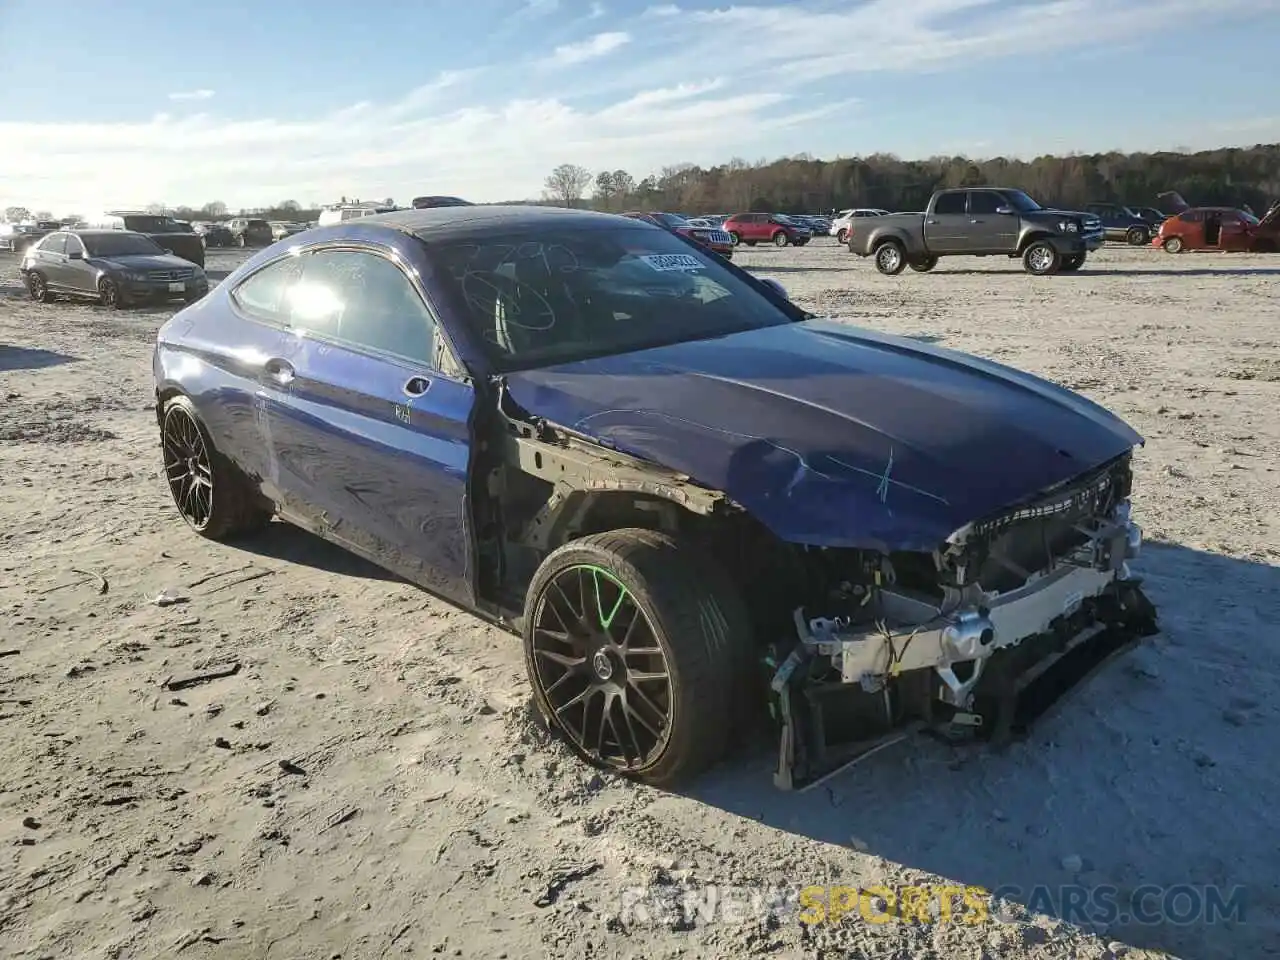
column 979, row 222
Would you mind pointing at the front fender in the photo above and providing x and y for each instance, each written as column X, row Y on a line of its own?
column 1064, row 243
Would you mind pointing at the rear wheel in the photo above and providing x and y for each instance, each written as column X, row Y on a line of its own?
column 735, row 238
column 1073, row 262
column 1137, row 236
column 842, row 236
column 1041, row 259
column 891, row 259
column 210, row 492
column 636, row 646
column 38, row 287
column 780, row 239
column 1173, row 245
column 923, row 264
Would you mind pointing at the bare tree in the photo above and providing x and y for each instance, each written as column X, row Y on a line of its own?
column 214, row 209
column 16, row 214
column 44, row 214
column 566, row 184
column 157, row 209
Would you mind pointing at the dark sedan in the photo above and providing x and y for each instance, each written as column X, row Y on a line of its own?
column 680, row 488
column 115, row 267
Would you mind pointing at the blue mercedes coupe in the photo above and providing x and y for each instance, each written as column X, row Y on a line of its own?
column 697, row 503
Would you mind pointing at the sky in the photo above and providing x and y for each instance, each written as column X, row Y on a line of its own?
column 252, row 103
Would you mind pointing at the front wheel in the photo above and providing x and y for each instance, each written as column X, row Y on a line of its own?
column 1173, row 245
column 636, row 646
column 1073, row 262
column 735, row 238
column 1041, row 259
column 924, row 264
column 891, row 259
column 1138, row 236
column 109, row 294
column 842, row 236
column 780, row 239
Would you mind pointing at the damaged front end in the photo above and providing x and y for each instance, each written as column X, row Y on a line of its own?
column 979, row 638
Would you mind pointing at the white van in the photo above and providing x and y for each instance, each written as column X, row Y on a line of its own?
column 350, row 211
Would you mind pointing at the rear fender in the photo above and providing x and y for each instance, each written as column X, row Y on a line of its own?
column 877, row 238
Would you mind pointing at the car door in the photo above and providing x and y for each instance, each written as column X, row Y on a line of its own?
column 1235, row 233
column 49, row 254
column 946, row 227
column 370, row 440
column 79, row 275
column 989, row 230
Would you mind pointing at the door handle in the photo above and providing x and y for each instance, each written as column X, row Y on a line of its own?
column 416, row 386
column 971, row 220
column 931, row 221
column 279, row 370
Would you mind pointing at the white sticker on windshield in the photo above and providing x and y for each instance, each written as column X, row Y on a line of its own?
column 673, row 261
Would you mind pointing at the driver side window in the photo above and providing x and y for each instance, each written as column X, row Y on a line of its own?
column 984, row 201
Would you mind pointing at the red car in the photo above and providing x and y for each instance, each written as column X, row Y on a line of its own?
column 1220, row 228
column 717, row 241
column 775, row 228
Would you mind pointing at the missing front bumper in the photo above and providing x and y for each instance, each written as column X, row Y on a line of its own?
column 829, row 725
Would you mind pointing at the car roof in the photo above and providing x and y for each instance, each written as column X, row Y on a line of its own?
column 480, row 220
column 101, row 233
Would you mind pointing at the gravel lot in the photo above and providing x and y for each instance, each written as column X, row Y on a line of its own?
column 423, row 812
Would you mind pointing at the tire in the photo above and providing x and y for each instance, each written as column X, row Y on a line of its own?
column 1040, row 259
column 801, row 243
column 735, row 238
column 780, row 239
column 891, row 259
column 923, row 265
column 1173, row 245
column 38, row 287
column 842, row 236
column 109, row 294
column 674, row 602
column 1138, row 236
column 1073, row 262
column 750, row 243
column 229, row 508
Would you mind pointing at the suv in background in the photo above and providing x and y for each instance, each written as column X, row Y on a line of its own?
column 1121, row 223
column 775, row 228
column 713, row 238
column 844, row 220
column 251, row 232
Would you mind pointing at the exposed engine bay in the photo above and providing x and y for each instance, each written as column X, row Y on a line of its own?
column 979, row 638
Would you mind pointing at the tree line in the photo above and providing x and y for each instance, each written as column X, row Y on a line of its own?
column 1229, row 176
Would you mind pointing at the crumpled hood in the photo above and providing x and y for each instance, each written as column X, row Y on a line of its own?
column 834, row 435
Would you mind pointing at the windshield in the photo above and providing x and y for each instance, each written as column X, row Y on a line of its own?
column 1021, row 202
column 545, row 298
column 671, row 219
column 120, row 245
column 150, row 224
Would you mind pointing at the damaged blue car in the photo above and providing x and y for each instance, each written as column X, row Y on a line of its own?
column 696, row 502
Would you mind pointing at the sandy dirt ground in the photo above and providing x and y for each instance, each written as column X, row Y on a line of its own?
column 370, row 782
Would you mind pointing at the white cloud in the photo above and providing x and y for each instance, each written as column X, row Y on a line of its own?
column 602, row 44
column 596, row 11
column 672, row 98
column 191, row 95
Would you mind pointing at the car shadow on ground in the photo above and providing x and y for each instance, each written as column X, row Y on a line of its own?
column 24, row 358
column 284, row 541
column 1138, row 780
column 217, row 275
column 1129, row 272
column 780, row 268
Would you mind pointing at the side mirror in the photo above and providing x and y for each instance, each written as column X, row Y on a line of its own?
column 1006, row 211
column 776, row 287
column 75, row 255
